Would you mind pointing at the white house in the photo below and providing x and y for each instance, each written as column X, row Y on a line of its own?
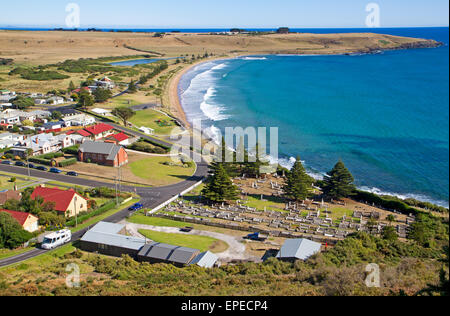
column 147, row 130
column 55, row 100
column 79, row 120
column 102, row 112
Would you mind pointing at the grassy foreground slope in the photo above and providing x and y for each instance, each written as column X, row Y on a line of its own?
column 416, row 267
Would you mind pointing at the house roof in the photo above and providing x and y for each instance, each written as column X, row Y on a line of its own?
column 205, row 260
column 61, row 198
column 108, row 234
column 300, row 249
column 170, row 253
column 79, row 89
column 21, row 217
column 9, row 195
column 109, row 149
column 120, row 137
column 99, row 128
column 81, row 132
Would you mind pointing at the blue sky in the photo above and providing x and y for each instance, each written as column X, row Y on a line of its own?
column 225, row 13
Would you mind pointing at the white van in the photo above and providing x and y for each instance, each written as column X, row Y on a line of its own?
column 56, row 239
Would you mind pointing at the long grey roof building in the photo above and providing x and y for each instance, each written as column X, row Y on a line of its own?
column 298, row 249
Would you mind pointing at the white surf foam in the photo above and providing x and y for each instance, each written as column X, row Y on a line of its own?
column 202, row 91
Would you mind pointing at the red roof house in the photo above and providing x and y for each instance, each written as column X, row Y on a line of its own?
column 101, row 130
column 66, row 201
column 119, row 139
column 83, row 88
column 28, row 221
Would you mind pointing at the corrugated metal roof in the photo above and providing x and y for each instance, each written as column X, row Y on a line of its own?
column 299, row 248
column 109, row 149
column 169, row 253
column 107, row 234
column 205, row 260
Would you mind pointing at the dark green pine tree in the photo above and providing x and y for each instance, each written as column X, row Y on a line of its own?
column 241, row 157
column 225, row 157
column 220, row 188
column 298, row 183
column 257, row 162
column 339, row 182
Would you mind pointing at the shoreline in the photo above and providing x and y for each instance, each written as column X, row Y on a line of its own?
column 177, row 110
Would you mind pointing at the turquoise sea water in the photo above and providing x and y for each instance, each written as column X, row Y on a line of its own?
column 385, row 115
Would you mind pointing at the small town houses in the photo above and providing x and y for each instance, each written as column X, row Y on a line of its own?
column 28, row 221
column 68, row 202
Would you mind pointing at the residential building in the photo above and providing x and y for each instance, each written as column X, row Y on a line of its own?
column 8, row 140
column 105, row 83
column 107, row 154
column 68, row 202
column 102, row 112
column 10, row 195
column 119, row 139
column 100, row 131
column 79, row 120
column 28, row 221
column 56, row 100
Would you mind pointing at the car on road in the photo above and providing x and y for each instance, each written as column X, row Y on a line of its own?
column 41, row 168
column 31, row 166
column 7, row 162
column 20, row 164
column 72, row 174
column 136, row 207
column 55, row 170
column 56, row 239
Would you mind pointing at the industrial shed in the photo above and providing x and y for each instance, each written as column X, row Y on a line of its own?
column 205, row 260
column 298, row 249
column 163, row 253
column 105, row 238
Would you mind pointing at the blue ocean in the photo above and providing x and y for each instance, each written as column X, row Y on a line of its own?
column 385, row 115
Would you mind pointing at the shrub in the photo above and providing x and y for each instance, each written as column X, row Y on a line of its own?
column 68, row 162
column 73, row 150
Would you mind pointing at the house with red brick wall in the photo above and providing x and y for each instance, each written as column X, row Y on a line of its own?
column 108, row 154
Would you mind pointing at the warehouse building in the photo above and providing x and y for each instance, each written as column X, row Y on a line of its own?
column 298, row 249
column 109, row 239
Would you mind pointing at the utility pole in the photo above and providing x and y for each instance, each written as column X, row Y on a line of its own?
column 76, row 215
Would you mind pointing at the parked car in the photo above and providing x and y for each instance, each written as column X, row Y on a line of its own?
column 55, row 170
column 136, row 207
column 31, row 166
column 72, row 174
column 56, row 239
column 20, row 164
column 42, row 168
column 7, row 162
column 186, row 229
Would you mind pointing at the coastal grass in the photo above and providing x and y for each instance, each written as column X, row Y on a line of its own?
column 161, row 123
column 7, row 253
column 202, row 243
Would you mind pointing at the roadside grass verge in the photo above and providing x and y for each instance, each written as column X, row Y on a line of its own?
column 7, row 253
column 94, row 220
column 202, row 243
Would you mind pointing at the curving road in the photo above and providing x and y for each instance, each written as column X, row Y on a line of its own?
column 151, row 197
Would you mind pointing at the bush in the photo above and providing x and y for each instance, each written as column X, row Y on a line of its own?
column 103, row 209
column 68, row 162
column 44, row 162
column 12, row 235
column 148, row 148
column 73, row 150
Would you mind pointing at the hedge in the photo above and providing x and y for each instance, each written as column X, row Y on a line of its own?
column 73, row 150
column 50, row 156
column 386, row 203
column 103, row 209
column 67, row 162
column 40, row 161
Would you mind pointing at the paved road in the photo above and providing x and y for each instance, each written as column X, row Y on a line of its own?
column 150, row 198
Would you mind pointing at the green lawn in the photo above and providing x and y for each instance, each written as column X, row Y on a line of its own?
column 270, row 203
column 150, row 118
column 5, row 184
column 94, row 220
column 155, row 221
column 203, row 243
column 153, row 168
